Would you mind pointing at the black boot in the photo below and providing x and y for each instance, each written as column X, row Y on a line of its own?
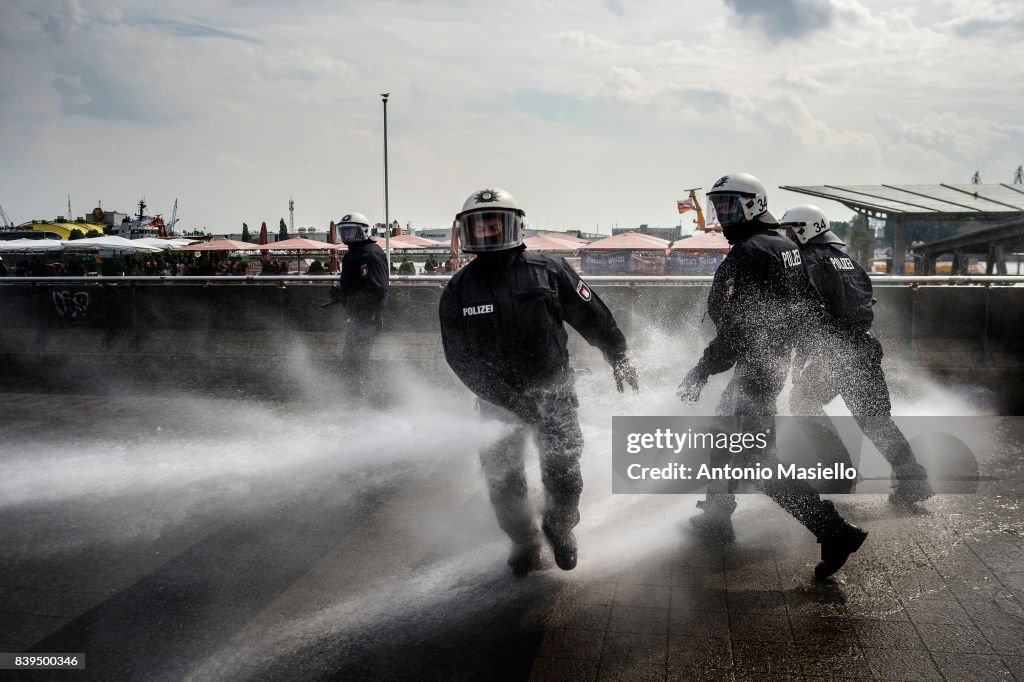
column 911, row 485
column 563, row 545
column 714, row 525
column 837, row 544
column 524, row 559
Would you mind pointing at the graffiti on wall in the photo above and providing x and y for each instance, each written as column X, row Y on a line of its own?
column 71, row 305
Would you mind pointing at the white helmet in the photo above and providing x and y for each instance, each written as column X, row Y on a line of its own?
column 737, row 198
column 353, row 227
column 490, row 220
column 808, row 221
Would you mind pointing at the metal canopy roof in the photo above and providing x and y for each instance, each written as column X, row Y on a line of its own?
column 921, row 200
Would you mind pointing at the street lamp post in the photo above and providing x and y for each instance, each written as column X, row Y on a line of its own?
column 387, row 216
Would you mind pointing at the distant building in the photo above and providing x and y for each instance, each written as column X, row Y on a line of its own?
column 669, row 233
column 438, row 234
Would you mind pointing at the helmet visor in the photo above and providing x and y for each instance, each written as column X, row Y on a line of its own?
column 728, row 208
column 490, row 230
column 797, row 229
column 353, row 232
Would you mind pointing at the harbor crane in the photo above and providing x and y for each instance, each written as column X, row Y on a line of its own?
column 692, row 203
column 3, row 216
column 174, row 217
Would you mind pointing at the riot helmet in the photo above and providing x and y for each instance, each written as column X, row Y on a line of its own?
column 353, row 227
column 807, row 222
column 738, row 198
column 490, row 220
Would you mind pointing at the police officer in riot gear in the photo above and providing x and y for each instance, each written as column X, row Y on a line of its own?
column 502, row 328
column 363, row 288
column 758, row 300
column 840, row 357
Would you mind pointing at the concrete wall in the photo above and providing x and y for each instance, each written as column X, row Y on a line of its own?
column 279, row 342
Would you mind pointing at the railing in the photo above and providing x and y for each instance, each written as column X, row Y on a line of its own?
column 946, row 280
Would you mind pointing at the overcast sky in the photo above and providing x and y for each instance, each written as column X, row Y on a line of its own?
column 590, row 113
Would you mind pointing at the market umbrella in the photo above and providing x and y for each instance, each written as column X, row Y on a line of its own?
column 219, row 245
column 333, row 266
column 298, row 244
column 547, row 242
column 30, row 245
column 109, row 243
column 264, row 238
column 163, row 244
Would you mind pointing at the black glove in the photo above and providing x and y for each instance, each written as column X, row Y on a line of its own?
column 693, row 384
column 623, row 371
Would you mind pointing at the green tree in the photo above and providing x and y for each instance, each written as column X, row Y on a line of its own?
column 246, row 237
column 842, row 227
column 282, row 231
column 92, row 233
column 74, row 234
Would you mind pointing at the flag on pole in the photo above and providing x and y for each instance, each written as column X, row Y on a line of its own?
column 454, row 262
column 685, row 205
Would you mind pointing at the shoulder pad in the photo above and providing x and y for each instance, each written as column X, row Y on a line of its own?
column 538, row 259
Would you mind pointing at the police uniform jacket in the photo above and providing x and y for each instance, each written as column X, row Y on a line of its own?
column 758, row 299
column 842, row 286
column 364, row 280
column 502, row 323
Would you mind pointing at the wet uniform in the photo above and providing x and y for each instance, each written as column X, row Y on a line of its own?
column 503, row 334
column 759, row 303
column 842, row 358
column 364, row 286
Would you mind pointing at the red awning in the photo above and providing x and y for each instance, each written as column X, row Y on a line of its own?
column 297, row 244
column 220, row 245
column 705, row 241
column 634, row 241
column 549, row 242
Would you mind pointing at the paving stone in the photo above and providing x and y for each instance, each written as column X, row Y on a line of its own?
column 699, row 652
column 972, row 667
column 1008, row 641
column 683, row 674
column 964, row 639
column 841, row 659
column 563, row 670
column 1000, row 613
column 584, row 644
column 742, row 601
column 638, row 620
column 699, row 599
column 756, row 657
column 760, row 627
column 887, row 635
column 937, row 611
column 698, row 623
column 581, row 617
column 629, row 673
column 823, row 631
column 623, row 649
column 642, row 595
column 901, row 664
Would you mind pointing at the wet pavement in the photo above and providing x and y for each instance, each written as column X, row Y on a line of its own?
column 217, row 540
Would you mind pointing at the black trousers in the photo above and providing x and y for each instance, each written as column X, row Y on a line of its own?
column 555, row 425
column 850, row 367
column 360, row 335
column 749, row 404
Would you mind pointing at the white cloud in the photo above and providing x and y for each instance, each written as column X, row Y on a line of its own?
column 583, row 41
column 590, row 113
